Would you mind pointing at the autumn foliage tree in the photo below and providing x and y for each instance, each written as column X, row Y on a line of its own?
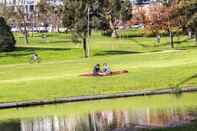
column 157, row 18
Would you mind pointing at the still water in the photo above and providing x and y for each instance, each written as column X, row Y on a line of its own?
column 166, row 113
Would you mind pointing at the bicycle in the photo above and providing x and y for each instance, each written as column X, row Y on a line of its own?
column 35, row 58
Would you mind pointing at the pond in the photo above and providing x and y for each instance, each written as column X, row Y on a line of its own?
column 148, row 113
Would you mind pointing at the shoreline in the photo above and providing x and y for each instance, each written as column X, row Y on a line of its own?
column 41, row 102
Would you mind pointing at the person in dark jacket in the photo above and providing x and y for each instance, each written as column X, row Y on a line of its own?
column 96, row 70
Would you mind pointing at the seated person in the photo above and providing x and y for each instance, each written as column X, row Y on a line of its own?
column 106, row 69
column 97, row 70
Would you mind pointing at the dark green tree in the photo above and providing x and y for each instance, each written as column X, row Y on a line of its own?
column 187, row 9
column 80, row 16
column 7, row 40
column 76, row 18
column 126, row 10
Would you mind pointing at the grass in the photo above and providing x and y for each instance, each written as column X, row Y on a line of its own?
column 150, row 66
column 184, row 103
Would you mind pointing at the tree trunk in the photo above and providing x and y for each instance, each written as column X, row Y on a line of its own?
column 113, row 28
column 26, row 35
column 196, row 35
column 114, row 34
column 25, row 30
column 171, row 39
column 189, row 32
column 90, row 31
column 32, row 25
column 85, row 48
column 4, row 6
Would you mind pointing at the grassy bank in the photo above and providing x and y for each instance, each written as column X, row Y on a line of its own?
column 155, row 103
column 149, row 65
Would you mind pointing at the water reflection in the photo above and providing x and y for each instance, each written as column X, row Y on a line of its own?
column 115, row 120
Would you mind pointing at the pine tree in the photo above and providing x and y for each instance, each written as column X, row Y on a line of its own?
column 7, row 40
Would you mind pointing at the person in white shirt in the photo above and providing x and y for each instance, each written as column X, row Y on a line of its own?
column 106, row 69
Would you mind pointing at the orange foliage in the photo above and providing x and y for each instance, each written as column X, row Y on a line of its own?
column 155, row 17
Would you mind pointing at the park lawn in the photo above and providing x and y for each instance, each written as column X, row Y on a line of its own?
column 149, row 66
column 59, row 46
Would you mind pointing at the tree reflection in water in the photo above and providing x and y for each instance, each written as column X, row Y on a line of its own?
column 116, row 120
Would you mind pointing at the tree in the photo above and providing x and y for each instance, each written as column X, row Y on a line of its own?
column 81, row 16
column 6, row 11
column 44, row 12
column 50, row 14
column 126, row 11
column 58, row 14
column 113, row 12
column 76, row 18
column 187, row 9
column 7, row 40
column 21, row 17
column 16, row 14
column 158, row 18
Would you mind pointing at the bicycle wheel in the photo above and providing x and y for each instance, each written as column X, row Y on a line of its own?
column 31, row 61
column 39, row 60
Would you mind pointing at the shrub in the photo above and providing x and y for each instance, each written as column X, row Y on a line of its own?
column 7, row 40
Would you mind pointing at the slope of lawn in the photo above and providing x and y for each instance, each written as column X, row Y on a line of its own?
column 150, row 66
column 156, row 103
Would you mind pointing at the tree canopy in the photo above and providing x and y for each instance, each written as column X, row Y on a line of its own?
column 81, row 16
column 187, row 10
column 76, row 18
column 7, row 40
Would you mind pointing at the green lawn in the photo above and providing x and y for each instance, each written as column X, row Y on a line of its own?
column 183, row 103
column 150, row 66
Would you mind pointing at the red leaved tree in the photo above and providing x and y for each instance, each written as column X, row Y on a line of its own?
column 156, row 18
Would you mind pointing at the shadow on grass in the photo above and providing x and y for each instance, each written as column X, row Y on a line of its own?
column 41, row 49
column 40, row 36
column 156, row 51
column 187, row 47
column 150, row 45
column 24, row 51
column 60, row 41
column 115, row 52
column 176, row 42
column 136, row 41
column 155, row 44
column 132, row 36
column 15, row 54
column 186, row 80
column 180, row 41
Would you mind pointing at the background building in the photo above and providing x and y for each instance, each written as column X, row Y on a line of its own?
column 28, row 5
column 142, row 2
